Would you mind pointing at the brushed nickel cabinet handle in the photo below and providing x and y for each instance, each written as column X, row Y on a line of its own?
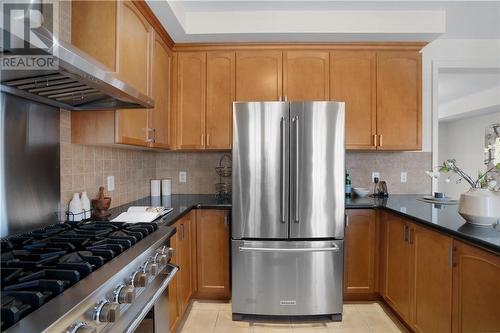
column 450, row 256
column 380, row 140
column 375, row 140
column 208, row 139
column 405, row 234
column 202, row 139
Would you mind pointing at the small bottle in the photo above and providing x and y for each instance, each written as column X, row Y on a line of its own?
column 85, row 205
column 348, row 189
column 75, row 208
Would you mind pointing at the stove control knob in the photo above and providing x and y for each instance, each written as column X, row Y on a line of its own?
column 108, row 312
column 139, row 279
column 162, row 259
column 125, row 294
column 150, row 267
column 82, row 327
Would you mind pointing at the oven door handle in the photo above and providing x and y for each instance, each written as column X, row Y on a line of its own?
column 133, row 326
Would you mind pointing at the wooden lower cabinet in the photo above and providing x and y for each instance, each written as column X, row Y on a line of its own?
column 431, row 280
column 476, row 290
column 360, row 249
column 397, row 266
column 174, row 312
column 186, row 254
column 212, row 254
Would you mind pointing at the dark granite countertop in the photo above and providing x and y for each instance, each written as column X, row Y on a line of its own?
column 181, row 204
column 444, row 218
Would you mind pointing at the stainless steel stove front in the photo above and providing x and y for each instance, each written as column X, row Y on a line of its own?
column 114, row 298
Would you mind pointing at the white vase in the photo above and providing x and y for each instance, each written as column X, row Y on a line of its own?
column 480, row 206
column 75, row 208
column 85, row 205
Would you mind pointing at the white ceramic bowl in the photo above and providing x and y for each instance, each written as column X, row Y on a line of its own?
column 361, row 191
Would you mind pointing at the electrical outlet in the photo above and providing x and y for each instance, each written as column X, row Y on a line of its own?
column 404, row 176
column 111, row 183
column 182, row 176
column 375, row 174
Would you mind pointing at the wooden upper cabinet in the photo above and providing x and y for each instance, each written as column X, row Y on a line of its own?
column 212, row 248
column 160, row 117
column 397, row 256
column 135, row 37
column 354, row 81
column 191, row 92
column 134, row 67
column 360, row 252
column 476, row 291
column 399, row 105
column 432, row 280
column 220, row 97
column 259, row 75
column 306, row 75
column 93, row 30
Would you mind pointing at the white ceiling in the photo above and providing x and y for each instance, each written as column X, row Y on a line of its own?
column 326, row 21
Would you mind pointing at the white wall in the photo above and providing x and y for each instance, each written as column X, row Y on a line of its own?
column 463, row 140
column 470, row 51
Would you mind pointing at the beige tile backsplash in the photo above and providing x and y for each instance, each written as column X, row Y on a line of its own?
column 85, row 168
column 390, row 165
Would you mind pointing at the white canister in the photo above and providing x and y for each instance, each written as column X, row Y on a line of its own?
column 155, row 188
column 166, row 186
column 75, row 208
column 85, row 205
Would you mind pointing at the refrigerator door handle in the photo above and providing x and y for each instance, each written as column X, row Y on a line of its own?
column 333, row 248
column 296, row 170
column 283, row 170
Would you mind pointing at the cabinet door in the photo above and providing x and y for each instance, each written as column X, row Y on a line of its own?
column 360, row 248
column 399, row 105
column 259, row 76
column 173, row 288
column 212, row 233
column 159, row 116
column 134, row 67
column 476, row 290
column 93, row 30
column 397, row 265
column 353, row 81
column 306, row 76
column 191, row 91
column 185, row 263
column 220, row 97
column 432, row 279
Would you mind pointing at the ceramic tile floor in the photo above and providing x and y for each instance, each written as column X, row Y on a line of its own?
column 209, row 317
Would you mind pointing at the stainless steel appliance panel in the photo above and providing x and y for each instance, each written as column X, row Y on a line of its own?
column 317, row 170
column 29, row 164
column 260, row 170
column 287, row 277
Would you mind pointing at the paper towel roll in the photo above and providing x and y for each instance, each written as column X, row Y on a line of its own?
column 166, row 187
column 155, row 188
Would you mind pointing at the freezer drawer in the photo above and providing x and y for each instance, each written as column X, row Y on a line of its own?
column 287, row 277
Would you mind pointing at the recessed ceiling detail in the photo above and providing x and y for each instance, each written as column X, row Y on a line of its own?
column 325, row 21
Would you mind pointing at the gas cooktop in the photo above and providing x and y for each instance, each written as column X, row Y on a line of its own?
column 41, row 264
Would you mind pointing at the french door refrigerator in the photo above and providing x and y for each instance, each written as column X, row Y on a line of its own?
column 287, row 208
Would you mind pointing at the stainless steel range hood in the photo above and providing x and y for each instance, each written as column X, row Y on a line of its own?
column 77, row 83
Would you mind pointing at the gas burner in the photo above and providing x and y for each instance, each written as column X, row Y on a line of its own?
column 38, row 265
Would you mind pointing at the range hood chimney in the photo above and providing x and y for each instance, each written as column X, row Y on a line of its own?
column 75, row 81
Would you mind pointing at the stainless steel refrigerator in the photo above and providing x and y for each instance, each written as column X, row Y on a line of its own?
column 288, row 208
